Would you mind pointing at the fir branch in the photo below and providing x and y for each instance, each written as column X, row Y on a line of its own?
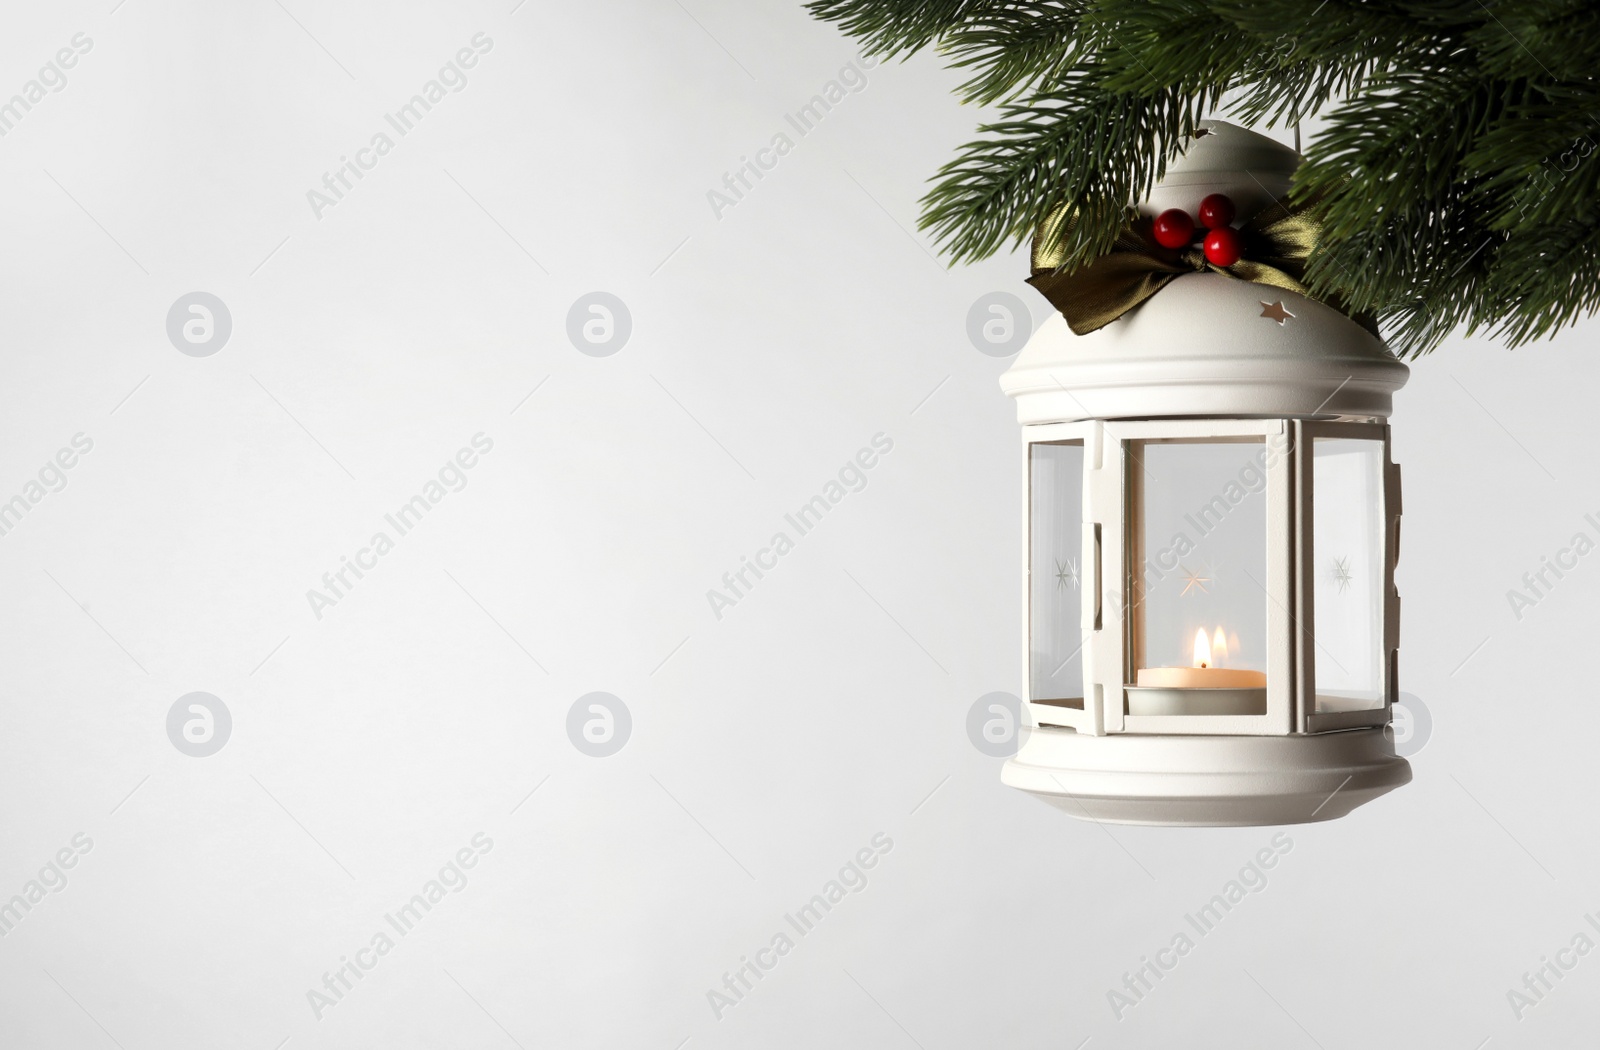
column 1537, row 164
column 1015, row 49
column 1400, row 144
column 1538, row 39
column 1076, row 144
column 1549, row 279
column 1148, row 46
column 1457, row 179
column 900, row 27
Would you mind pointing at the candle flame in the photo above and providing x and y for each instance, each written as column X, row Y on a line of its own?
column 1202, row 649
column 1219, row 649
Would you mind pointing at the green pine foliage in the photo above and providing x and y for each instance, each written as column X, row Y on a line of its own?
column 1457, row 178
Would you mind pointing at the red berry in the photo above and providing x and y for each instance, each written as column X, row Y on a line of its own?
column 1223, row 247
column 1216, row 211
column 1173, row 228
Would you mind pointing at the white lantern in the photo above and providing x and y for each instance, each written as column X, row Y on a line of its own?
column 1212, row 524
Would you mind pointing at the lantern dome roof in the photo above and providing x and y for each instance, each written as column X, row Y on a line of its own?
column 1208, row 344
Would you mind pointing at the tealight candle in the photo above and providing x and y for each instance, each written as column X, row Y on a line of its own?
column 1203, row 675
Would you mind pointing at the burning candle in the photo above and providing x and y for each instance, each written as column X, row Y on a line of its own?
column 1205, row 674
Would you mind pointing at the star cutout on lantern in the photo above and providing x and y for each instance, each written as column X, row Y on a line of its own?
column 1194, row 581
column 1341, row 574
column 1066, row 574
column 1275, row 311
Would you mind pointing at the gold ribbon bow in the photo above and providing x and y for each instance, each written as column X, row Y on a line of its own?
column 1277, row 244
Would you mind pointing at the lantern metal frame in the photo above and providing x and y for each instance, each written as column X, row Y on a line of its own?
column 1111, row 586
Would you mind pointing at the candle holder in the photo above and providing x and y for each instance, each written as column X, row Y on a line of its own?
column 1195, row 700
column 1212, row 523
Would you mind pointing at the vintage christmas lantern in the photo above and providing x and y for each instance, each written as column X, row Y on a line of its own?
column 1212, row 517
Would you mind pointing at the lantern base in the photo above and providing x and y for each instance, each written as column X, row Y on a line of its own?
column 1206, row 781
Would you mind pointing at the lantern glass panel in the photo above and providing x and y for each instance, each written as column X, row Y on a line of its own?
column 1056, row 578
column 1200, row 553
column 1348, row 575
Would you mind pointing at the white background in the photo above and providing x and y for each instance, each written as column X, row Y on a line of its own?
column 767, row 747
